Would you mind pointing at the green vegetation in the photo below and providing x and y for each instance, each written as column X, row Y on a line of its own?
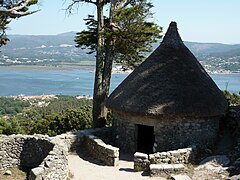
column 12, row 106
column 124, row 35
column 61, row 104
column 58, row 115
column 233, row 99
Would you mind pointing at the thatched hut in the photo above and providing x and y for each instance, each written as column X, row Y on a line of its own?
column 168, row 102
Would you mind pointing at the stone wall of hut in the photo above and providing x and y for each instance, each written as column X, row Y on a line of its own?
column 169, row 134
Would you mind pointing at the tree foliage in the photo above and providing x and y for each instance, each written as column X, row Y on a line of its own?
column 51, row 124
column 61, row 115
column 232, row 98
column 133, row 34
column 124, row 36
column 60, row 104
column 12, row 106
column 11, row 9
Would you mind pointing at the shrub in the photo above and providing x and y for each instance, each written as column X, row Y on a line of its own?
column 233, row 99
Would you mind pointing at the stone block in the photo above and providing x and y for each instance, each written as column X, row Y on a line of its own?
column 168, row 167
column 168, row 154
column 174, row 153
column 156, row 169
column 182, row 151
column 116, row 161
column 151, row 156
column 47, row 164
column 163, row 154
column 178, row 167
column 157, row 155
column 180, row 177
column 36, row 173
column 141, row 165
column 8, row 172
column 140, row 155
column 166, row 160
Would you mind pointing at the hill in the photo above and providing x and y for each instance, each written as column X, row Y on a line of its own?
column 60, row 49
column 216, row 57
column 42, row 50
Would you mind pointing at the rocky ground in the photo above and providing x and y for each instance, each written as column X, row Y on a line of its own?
column 84, row 168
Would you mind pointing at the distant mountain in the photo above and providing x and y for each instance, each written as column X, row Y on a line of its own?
column 43, row 49
column 216, row 57
column 204, row 49
column 200, row 49
column 68, row 34
column 55, row 49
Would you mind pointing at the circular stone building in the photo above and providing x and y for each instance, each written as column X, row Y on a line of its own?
column 168, row 102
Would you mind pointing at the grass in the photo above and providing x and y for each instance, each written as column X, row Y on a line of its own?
column 70, row 176
column 17, row 174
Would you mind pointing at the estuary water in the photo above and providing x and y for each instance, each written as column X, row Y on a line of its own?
column 76, row 82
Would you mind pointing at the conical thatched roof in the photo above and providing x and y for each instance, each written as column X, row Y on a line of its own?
column 170, row 82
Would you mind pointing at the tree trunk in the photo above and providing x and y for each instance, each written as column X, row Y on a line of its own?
column 108, row 67
column 103, row 64
column 99, row 110
column 109, row 50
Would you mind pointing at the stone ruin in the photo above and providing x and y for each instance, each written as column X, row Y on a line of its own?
column 164, row 163
column 42, row 156
column 45, row 157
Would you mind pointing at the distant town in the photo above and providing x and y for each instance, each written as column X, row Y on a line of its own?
column 59, row 50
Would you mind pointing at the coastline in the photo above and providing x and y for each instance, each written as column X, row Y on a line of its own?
column 61, row 67
column 57, row 67
column 115, row 70
column 76, row 82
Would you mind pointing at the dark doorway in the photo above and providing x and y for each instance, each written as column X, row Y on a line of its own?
column 145, row 139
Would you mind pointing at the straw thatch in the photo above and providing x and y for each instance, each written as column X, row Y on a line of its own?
column 170, row 82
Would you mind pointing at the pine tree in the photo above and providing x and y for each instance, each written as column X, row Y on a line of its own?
column 123, row 37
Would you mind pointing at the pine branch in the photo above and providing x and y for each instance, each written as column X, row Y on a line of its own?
column 22, row 4
column 15, row 14
column 74, row 3
column 17, row 10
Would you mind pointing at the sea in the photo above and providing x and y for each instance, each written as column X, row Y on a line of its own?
column 75, row 82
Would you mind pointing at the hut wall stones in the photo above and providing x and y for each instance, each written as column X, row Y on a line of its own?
column 167, row 102
column 168, row 135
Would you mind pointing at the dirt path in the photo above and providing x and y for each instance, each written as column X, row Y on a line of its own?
column 83, row 169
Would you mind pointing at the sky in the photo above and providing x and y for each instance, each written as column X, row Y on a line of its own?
column 198, row 20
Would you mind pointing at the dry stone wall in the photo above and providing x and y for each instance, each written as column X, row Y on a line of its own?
column 160, row 161
column 101, row 151
column 89, row 140
column 179, row 156
column 45, row 156
column 55, row 165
